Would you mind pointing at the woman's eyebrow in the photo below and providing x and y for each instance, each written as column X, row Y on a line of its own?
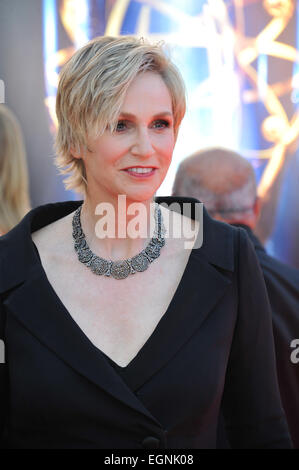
column 132, row 116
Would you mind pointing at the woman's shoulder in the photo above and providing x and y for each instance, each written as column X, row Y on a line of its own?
column 17, row 250
column 217, row 242
column 54, row 239
column 39, row 218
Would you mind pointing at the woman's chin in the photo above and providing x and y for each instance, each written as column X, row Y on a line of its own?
column 140, row 196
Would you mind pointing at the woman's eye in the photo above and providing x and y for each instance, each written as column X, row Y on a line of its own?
column 121, row 126
column 161, row 124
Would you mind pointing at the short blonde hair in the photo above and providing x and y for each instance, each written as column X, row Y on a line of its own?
column 14, row 184
column 91, row 90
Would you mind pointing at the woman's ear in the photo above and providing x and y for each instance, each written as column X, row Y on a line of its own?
column 76, row 153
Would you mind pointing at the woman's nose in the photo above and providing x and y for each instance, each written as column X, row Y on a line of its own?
column 143, row 145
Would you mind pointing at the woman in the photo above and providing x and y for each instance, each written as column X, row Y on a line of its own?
column 123, row 341
column 14, row 191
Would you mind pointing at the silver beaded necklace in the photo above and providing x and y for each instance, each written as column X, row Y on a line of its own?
column 118, row 269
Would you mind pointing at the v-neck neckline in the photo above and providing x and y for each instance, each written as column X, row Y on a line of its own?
column 48, row 320
column 151, row 340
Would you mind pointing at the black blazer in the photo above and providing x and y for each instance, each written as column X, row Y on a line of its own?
column 282, row 282
column 213, row 346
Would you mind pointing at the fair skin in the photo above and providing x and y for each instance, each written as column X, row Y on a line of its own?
column 144, row 138
column 119, row 316
column 221, row 172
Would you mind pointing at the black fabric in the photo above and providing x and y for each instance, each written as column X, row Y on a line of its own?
column 212, row 348
column 120, row 369
column 282, row 283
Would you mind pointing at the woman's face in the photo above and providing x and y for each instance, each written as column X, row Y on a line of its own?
column 143, row 142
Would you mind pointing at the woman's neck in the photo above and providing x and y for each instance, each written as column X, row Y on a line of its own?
column 119, row 228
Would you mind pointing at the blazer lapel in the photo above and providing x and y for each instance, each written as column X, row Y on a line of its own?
column 202, row 286
column 25, row 281
column 200, row 289
column 48, row 320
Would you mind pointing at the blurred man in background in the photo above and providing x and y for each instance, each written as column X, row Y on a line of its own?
column 225, row 183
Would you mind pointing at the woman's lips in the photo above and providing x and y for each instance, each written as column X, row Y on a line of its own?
column 134, row 174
